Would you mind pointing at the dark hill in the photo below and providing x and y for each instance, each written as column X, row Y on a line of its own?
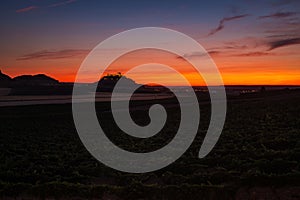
column 113, row 79
column 108, row 82
column 5, row 80
column 39, row 84
column 42, row 84
column 39, row 79
column 4, row 77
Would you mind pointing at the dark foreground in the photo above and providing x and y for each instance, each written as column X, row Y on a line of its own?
column 257, row 156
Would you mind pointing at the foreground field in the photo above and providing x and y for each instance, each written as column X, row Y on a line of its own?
column 257, row 155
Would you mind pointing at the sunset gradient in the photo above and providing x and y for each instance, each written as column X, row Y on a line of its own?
column 255, row 44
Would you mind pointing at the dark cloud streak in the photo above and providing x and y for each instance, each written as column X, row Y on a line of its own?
column 278, row 15
column 284, row 42
column 196, row 55
column 251, row 54
column 50, row 55
column 222, row 23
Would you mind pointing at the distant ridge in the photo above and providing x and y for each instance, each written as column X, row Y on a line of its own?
column 5, row 80
column 26, row 80
column 41, row 84
column 108, row 82
column 39, row 79
column 4, row 77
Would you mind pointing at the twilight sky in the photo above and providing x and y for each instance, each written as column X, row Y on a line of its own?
column 251, row 41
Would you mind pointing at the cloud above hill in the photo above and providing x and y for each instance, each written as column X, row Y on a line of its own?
column 66, row 53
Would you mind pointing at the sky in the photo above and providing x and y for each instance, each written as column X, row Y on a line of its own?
column 252, row 42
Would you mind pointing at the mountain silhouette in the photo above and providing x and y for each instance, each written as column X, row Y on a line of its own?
column 26, row 80
column 39, row 79
column 5, row 80
column 41, row 84
column 108, row 82
column 4, row 77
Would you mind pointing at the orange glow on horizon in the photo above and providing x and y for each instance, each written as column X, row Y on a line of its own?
column 263, row 70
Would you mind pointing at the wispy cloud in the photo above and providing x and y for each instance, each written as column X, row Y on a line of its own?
column 33, row 7
column 239, row 45
column 226, row 54
column 284, row 2
column 250, row 54
column 222, row 23
column 67, row 53
column 278, row 15
column 196, row 55
column 26, row 9
column 256, row 46
column 283, row 42
column 61, row 3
